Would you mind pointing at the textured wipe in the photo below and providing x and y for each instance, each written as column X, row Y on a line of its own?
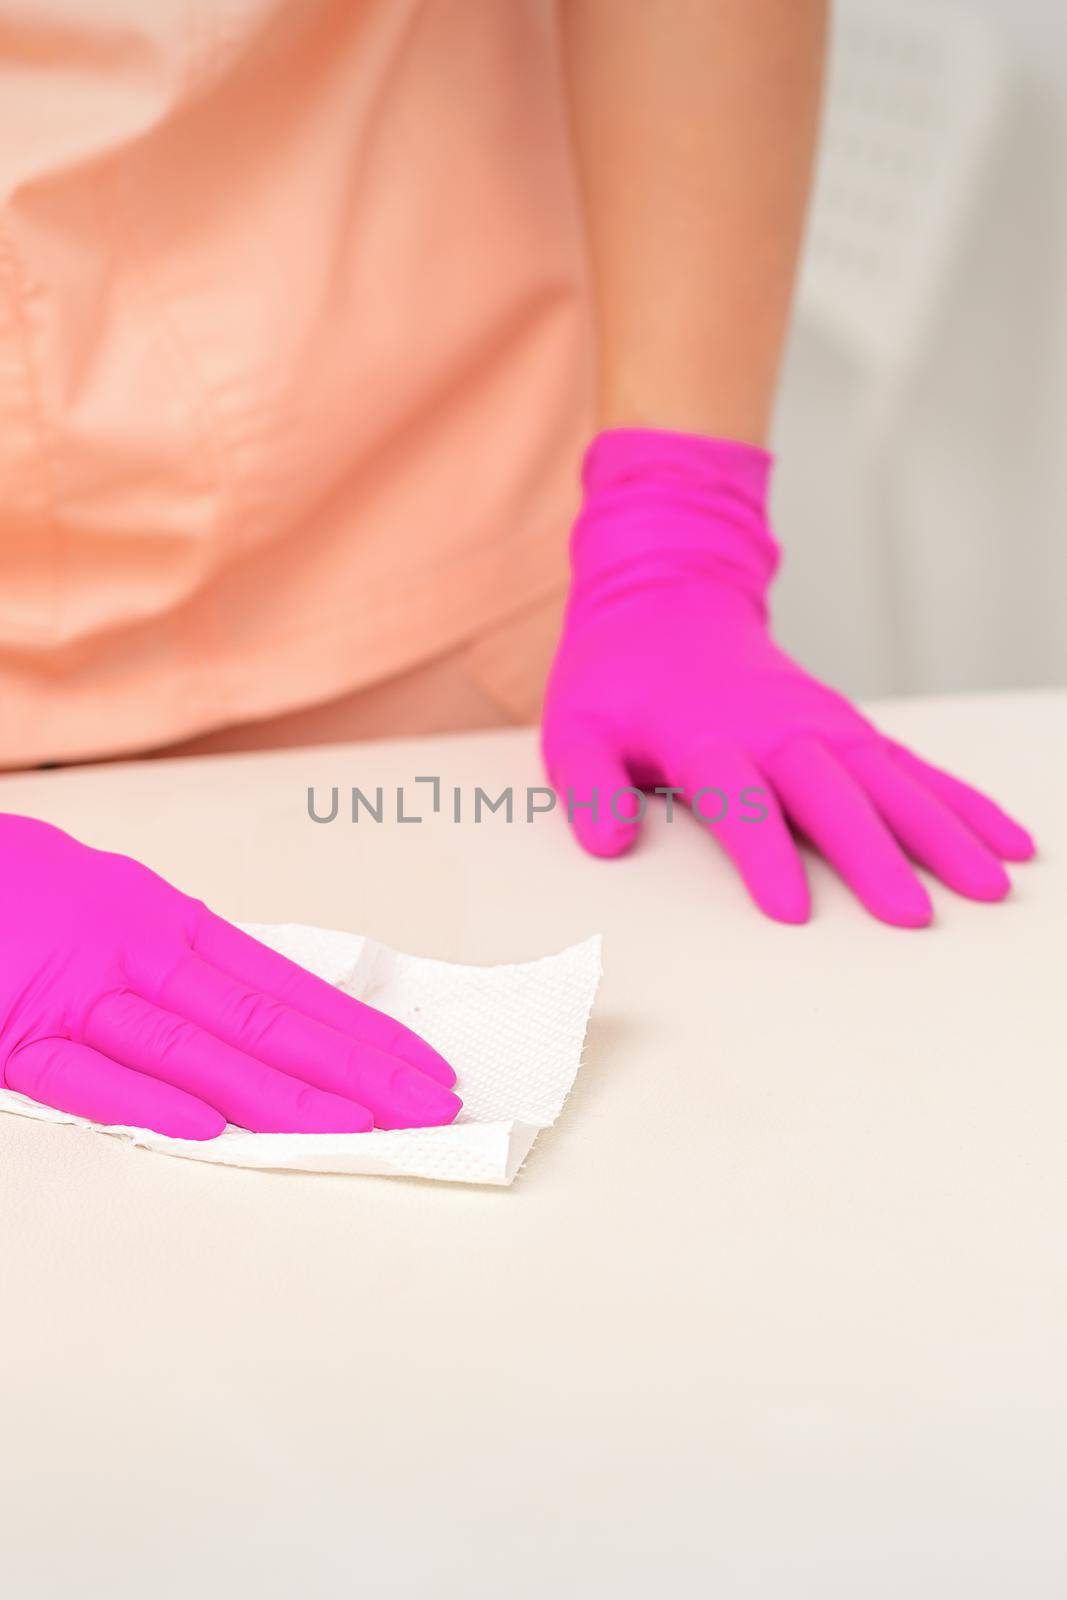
column 513, row 1033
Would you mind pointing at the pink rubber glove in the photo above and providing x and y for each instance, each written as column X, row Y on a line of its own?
column 667, row 675
column 125, row 1001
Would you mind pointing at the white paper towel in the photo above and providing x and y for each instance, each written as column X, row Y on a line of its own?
column 514, row 1035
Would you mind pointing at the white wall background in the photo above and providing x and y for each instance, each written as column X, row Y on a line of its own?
column 940, row 562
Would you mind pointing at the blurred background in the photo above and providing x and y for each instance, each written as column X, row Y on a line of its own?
column 922, row 429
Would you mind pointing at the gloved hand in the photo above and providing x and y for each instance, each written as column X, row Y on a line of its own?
column 125, row 1001
column 667, row 675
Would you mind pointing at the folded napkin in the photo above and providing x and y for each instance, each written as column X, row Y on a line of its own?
column 514, row 1035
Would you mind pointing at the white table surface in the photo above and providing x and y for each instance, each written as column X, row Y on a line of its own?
column 778, row 1307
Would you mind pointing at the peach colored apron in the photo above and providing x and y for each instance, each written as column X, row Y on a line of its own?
column 293, row 357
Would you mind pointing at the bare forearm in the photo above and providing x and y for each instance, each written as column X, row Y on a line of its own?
column 694, row 124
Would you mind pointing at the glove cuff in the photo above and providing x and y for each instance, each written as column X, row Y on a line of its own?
column 653, row 497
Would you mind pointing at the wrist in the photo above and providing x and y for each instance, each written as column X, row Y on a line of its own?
column 656, row 499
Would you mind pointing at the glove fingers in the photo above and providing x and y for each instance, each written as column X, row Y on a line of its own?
column 244, row 1090
column 398, row 1094
column 729, row 794
column 72, row 1077
column 929, row 831
column 827, row 804
column 597, row 794
column 235, row 952
column 983, row 816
